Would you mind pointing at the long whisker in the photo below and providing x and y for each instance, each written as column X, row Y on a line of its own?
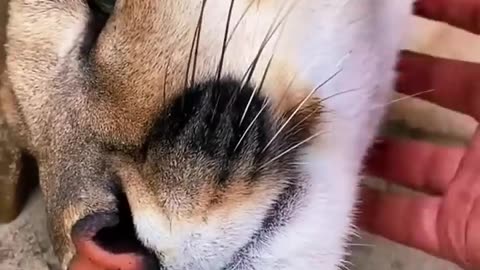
column 299, row 107
column 165, row 82
column 374, row 108
column 292, row 148
column 345, row 264
column 339, row 94
column 215, row 107
column 285, row 93
column 381, row 106
column 194, row 50
column 292, row 130
column 197, row 42
column 234, row 29
column 250, row 70
column 225, row 39
column 321, row 108
column 289, row 86
column 190, row 55
column 264, row 106
column 270, row 33
column 360, row 245
column 257, row 89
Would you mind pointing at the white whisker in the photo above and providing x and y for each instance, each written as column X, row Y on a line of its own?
column 292, row 148
column 289, row 86
column 345, row 265
column 251, row 125
column 299, row 107
column 361, row 245
column 256, row 90
column 399, row 100
column 270, row 33
column 321, row 108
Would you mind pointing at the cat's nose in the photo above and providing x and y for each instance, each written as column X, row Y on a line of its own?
column 107, row 241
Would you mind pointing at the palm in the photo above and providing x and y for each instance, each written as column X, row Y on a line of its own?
column 446, row 222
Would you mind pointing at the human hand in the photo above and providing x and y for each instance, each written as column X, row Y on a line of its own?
column 446, row 222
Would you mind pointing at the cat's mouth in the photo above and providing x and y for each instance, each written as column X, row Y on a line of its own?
column 109, row 241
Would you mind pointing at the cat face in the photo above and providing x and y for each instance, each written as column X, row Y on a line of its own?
column 199, row 134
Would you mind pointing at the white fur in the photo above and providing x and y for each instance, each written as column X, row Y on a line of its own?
column 198, row 244
column 362, row 38
column 369, row 32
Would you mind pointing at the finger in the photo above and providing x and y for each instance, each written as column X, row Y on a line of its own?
column 471, row 160
column 460, row 211
column 454, row 83
column 473, row 239
column 459, row 13
column 406, row 220
column 418, row 165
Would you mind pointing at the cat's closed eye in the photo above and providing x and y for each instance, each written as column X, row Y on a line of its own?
column 252, row 148
column 105, row 6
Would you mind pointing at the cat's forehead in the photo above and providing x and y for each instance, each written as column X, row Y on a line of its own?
column 141, row 39
column 133, row 63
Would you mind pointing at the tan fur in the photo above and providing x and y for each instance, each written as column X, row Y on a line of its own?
column 140, row 63
column 210, row 202
column 64, row 113
column 240, row 197
column 63, row 120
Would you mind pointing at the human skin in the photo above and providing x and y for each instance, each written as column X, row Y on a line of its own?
column 445, row 222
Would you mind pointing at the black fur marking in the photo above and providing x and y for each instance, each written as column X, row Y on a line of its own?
column 97, row 21
column 277, row 218
column 193, row 124
column 206, row 121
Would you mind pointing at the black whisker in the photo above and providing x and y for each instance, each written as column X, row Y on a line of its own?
column 247, row 76
column 270, row 33
column 190, row 56
column 194, row 49
column 197, row 42
column 165, row 82
column 258, row 89
column 225, row 38
column 240, row 20
column 251, row 69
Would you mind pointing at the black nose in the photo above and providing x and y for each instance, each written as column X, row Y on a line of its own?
column 108, row 241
